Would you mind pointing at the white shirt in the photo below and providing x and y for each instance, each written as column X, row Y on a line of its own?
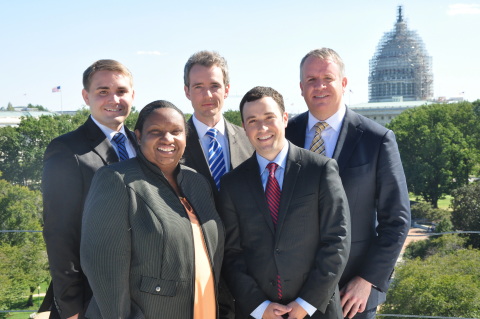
column 281, row 161
column 205, row 140
column 329, row 134
column 109, row 133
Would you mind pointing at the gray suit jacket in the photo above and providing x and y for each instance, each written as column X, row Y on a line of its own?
column 194, row 157
column 137, row 246
column 70, row 162
column 310, row 246
column 372, row 175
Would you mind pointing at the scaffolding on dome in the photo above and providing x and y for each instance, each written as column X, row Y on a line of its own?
column 400, row 69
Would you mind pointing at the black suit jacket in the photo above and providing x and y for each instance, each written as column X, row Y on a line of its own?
column 372, row 175
column 308, row 249
column 194, row 157
column 70, row 161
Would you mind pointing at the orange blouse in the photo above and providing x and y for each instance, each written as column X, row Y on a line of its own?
column 205, row 306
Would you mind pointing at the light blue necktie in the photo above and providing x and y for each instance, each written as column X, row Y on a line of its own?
column 119, row 140
column 216, row 161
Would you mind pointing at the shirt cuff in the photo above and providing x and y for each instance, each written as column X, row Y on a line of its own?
column 306, row 306
column 260, row 310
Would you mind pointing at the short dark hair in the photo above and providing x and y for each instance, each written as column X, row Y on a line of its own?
column 150, row 107
column 107, row 65
column 206, row 59
column 259, row 92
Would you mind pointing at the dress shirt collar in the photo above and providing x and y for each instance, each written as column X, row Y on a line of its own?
column 109, row 133
column 202, row 128
column 280, row 159
column 334, row 121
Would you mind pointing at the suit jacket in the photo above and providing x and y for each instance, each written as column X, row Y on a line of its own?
column 194, row 157
column 137, row 245
column 308, row 249
column 374, row 181
column 70, row 162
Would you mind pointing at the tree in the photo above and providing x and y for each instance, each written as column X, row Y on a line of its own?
column 233, row 117
column 437, row 286
column 466, row 211
column 23, row 263
column 10, row 107
column 441, row 245
column 22, row 147
column 439, row 145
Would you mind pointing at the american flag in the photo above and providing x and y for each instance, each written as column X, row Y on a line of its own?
column 56, row 89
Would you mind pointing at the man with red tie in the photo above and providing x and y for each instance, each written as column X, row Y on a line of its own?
column 286, row 219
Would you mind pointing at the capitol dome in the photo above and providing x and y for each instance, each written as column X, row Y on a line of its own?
column 400, row 69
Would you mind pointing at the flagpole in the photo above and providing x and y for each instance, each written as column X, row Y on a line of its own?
column 61, row 101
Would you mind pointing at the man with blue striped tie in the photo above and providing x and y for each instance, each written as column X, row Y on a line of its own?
column 214, row 145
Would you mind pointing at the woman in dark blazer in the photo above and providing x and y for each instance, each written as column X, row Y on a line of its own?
column 152, row 241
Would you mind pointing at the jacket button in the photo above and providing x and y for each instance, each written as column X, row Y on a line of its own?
column 277, row 251
column 157, row 289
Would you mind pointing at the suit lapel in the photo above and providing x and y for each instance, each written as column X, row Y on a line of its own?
column 256, row 188
column 350, row 135
column 235, row 158
column 196, row 154
column 293, row 166
column 99, row 143
column 298, row 129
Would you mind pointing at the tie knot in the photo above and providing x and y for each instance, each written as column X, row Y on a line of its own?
column 119, row 138
column 212, row 133
column 272, row 167
column 320, row 126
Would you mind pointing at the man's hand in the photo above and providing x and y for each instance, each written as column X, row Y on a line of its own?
column 354, row 296
column 73, row 317
column 297, row 311
column 275, row 311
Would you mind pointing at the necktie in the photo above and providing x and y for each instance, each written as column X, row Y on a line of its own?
column 216, row 160
column 119, row 140
column 273, row 194
column 318, row 144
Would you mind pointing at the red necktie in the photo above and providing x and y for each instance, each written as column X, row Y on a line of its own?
column 273, row 194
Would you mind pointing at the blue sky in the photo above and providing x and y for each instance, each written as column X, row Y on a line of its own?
column 51, row 43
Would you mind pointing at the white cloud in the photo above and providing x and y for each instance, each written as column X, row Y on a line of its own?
column 462, row 8
column 151, row 53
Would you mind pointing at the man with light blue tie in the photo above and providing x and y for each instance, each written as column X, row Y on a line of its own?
column 70, row 162
column 214, row 145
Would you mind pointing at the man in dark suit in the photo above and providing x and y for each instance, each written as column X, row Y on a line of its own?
column 286, row 221
column 70, row 162
column 372, row 175
column 207, row 84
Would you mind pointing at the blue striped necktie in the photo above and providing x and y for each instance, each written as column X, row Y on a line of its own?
column 216, row 161
column 119, row 140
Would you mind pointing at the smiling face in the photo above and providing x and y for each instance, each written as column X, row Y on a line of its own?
column 110, row 97
column 265, row 125
column 162, row 139
column 322, row 87
column 207, row 92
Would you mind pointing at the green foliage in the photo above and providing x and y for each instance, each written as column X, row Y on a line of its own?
column 442, row 245
column 439, row 145
column 437, row 286
column 426, row 211
column 22, row 147
column 233, row 117
column 20, row 209
column 10, row 107
column 23, row 261
column 466, row 211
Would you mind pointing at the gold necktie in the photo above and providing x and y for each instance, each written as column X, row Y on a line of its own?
column 318, row 144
